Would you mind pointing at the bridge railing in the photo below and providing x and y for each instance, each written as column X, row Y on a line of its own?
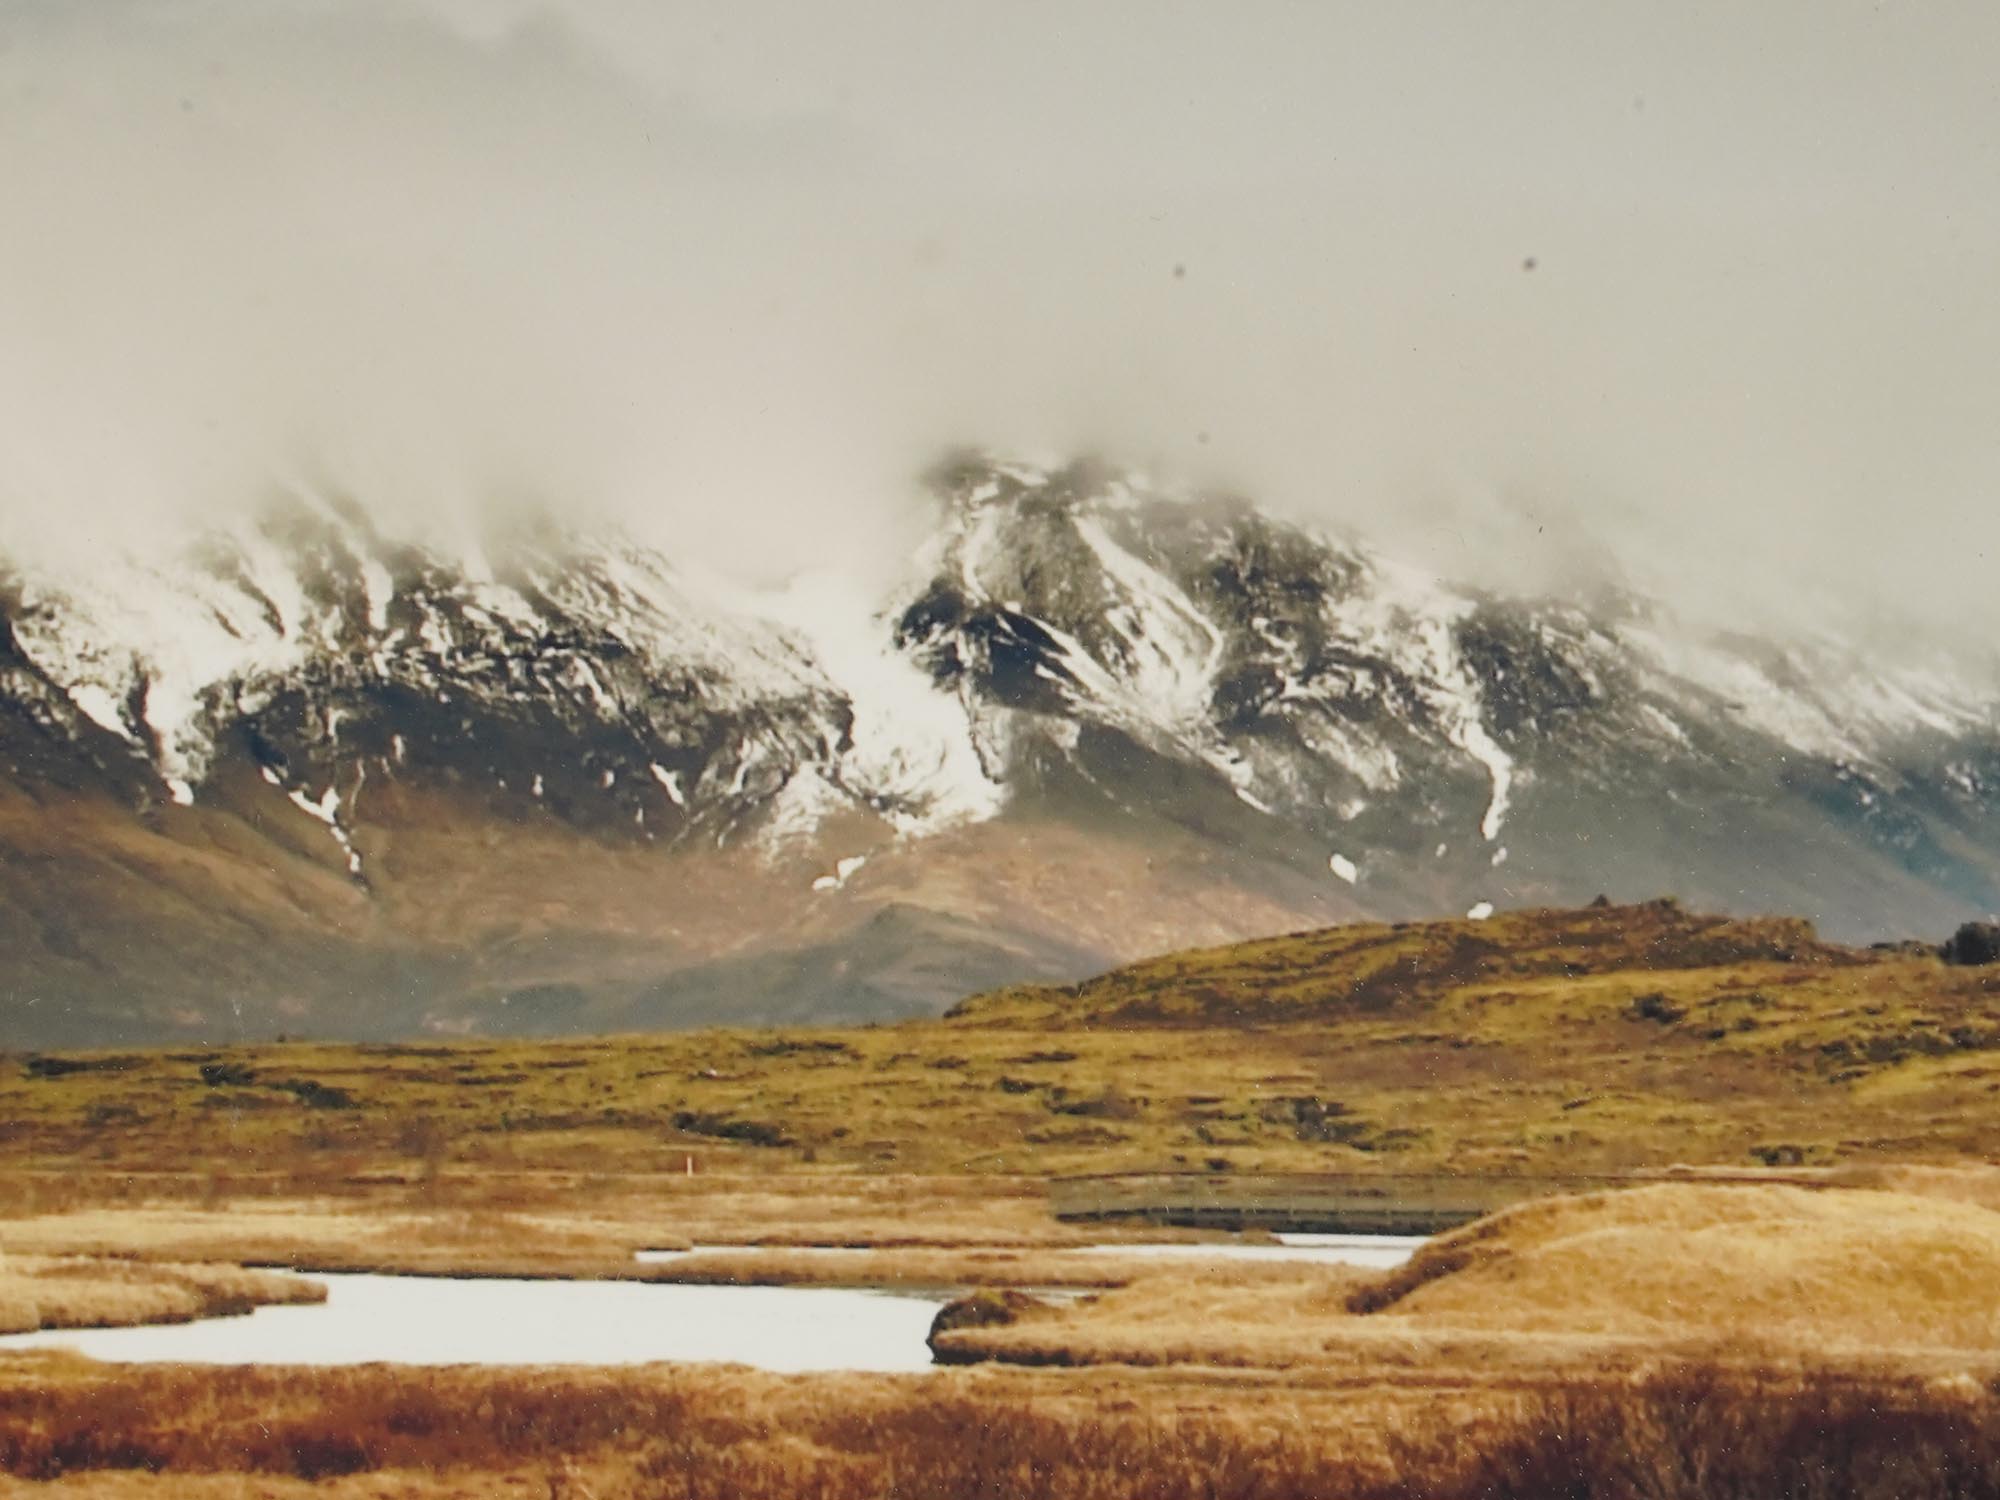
column 1341, row 1202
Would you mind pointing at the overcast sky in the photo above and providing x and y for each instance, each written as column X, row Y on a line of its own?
column 1700, row 294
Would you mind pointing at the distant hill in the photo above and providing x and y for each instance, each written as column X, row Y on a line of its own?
column 1548, row 1042
column 1405, row 968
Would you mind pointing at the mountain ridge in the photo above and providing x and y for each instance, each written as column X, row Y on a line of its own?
column 393, row 786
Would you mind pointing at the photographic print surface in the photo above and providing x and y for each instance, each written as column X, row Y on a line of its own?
column 937, row 750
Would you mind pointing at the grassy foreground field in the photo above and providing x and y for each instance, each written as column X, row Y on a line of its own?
column 1683, row 1342
column 1818, row 1324
column 1672, row 1433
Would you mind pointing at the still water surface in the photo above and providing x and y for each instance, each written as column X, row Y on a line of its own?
column 1378, row 1251
column 439, row 1321
column 436, row 1321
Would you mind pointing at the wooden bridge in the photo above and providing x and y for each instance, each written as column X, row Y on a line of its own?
column 1416, row 1203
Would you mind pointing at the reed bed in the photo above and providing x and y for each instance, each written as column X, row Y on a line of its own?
column 1675, row 1433
column 38, row 1292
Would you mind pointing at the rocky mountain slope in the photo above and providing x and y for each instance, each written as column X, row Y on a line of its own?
column 308, row 775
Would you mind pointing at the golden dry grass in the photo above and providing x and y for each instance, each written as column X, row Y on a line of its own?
column 1542, row 1042
column 1671, row 1433
column 1052, row 1268
column 927, row 1231
column 1575, row 1282
column 1842, row 1268
column 679, row 1431
column 353, row 1236
column 70, row 1291
column 1843, row 1332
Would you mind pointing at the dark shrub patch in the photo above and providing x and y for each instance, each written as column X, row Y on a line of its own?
column 723, row 1128
column 788, row 1047
column 317, row 1095
column 62, row 1067
column 1656, row 1007
column 1974, row 943
column 1112, row 1104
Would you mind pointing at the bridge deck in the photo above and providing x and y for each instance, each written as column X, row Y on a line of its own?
column 1340, row 1203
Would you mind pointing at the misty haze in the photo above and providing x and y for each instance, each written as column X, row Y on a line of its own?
column 1235, row 750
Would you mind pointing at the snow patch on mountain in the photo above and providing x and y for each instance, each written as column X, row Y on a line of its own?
column 793, row 815
column 325, row 809
column 912, row 753
column 1820, row 697
column 1171, row 649
column 843, row 871
column 143, row 647
column 668, row 781
column 1406, row 617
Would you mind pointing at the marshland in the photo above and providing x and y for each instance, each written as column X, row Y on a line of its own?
column 1696, row 1218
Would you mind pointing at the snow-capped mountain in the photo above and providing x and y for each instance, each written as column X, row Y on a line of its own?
column 1395, row 715
column 305, row 774
column 320, row 653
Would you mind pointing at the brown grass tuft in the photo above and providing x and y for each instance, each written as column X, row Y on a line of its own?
column 1693, row 1435
column 1859, row 1268
column 39, row 1292
column 1685, row 1433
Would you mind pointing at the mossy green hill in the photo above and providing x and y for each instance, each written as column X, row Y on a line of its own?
column 1595, row 1040
column 1370, row 968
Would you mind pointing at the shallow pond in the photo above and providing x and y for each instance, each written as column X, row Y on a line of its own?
column 1377, row 1251
column 437, row 1321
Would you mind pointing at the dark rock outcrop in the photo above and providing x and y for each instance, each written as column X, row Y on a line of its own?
column 1974, row 943
column 990, row 1307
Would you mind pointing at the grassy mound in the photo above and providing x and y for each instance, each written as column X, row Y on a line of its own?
column 70, row 1291
column 1827, row 1268
column 1368, row 968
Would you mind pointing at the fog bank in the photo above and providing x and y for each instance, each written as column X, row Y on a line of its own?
column 1700, row 298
